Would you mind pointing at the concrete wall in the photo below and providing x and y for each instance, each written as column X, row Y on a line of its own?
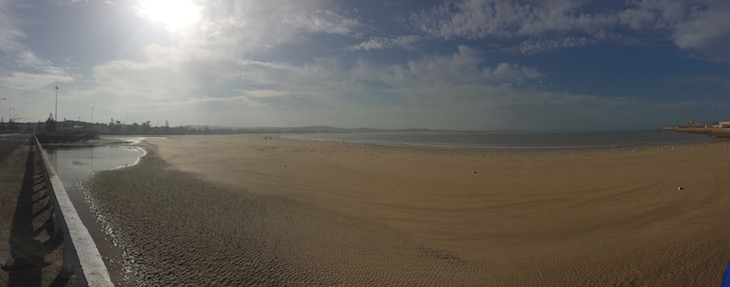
column 80, row 254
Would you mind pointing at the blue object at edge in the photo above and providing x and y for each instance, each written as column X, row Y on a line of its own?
column 726, row 279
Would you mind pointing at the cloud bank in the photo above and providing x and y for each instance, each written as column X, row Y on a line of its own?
column 462, row 64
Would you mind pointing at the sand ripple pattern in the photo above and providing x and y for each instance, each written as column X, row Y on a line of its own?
column 298, row 213
column 175, row 229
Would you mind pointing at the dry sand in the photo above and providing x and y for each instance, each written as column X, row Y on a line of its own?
column 242, row 210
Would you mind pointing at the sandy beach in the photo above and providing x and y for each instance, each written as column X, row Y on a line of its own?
column 243, row 210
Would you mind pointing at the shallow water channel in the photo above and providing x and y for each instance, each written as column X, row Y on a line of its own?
column 76, row 164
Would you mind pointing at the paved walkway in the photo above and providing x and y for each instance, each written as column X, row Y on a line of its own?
column 28, row 254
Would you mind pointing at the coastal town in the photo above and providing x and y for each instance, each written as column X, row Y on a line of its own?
column 79, row 128
column 716, row 129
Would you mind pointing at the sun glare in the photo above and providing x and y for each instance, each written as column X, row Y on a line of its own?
column 174, row 15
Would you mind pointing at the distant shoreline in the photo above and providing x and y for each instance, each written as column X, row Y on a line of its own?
column 714, row 132
column 510, row 141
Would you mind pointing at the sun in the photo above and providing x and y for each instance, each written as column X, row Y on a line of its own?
column 174, row 15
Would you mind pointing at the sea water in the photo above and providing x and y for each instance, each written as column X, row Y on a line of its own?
column 514, row 140
column 74, row 164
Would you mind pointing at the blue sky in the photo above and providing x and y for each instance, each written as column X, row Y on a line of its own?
column 462, row 64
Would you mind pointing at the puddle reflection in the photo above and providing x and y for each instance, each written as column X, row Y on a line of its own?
column 75, row 164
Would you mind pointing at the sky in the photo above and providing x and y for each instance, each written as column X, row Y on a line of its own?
column 453, row 64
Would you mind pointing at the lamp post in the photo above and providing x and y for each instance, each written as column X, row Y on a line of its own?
column 56, row 103
column 9, row 114
column 92, row 114
column 4, row 99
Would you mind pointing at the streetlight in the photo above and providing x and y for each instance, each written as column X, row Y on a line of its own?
column 56, row 103
column 92, row 114
column 9, row 115
column 4, row 99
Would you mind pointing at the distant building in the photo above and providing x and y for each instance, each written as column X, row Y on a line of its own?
column 690, row 124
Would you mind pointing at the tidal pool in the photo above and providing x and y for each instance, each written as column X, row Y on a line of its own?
column 76, row 164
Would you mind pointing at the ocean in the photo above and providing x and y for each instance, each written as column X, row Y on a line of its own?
column 514, row 140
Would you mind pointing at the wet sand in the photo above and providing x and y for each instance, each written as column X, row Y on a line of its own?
column 242, row 210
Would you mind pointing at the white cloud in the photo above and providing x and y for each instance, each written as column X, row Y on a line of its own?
column 192, row 82
column 459, row 90
column 210, row 85
column 475, row 19
column 24, row 76
column 463, row 67
column 456, row 90
column 20, row 81
column 377, row 43
column 696, row 26
column 14, row 55
column 506, row 72
column 706, row 31
column 535, row 46
column 654, row 14
column 326, row 21
column 208, row 74
column 237, row 27
column 9, row 33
